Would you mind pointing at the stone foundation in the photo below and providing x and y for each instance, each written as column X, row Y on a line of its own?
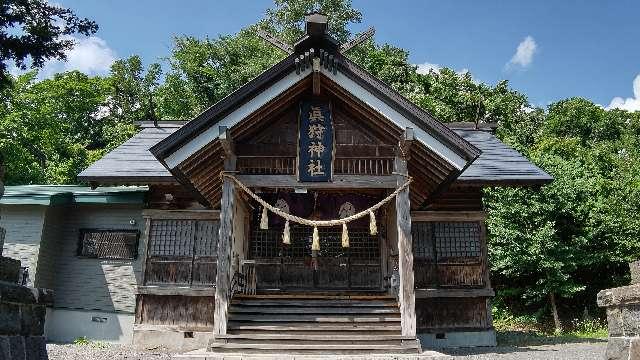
column 22, row 315
column 623, row 317
column 9, row 269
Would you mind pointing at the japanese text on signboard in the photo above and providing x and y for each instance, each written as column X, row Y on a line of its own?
column 316, row 141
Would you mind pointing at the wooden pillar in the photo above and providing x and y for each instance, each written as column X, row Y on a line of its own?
column 406, row 293
column 225, row 239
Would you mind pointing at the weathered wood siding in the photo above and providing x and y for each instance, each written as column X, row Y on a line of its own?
column 458, row 198
column 181, row 252
column 171, row 197
column 449, row 249
column 439, row 314
column 189, row 313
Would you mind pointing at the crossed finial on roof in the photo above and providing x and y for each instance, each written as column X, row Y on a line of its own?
column 316, row 33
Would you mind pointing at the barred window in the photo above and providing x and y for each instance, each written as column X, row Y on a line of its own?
column 446, row 242
column 108, row 244
column 183, row 237
column 182, row 251
column 422, row 236
column 456, row 240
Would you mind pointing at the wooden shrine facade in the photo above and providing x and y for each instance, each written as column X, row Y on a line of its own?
column 317, row 135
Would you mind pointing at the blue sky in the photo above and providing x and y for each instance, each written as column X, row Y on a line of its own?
column 547, row 49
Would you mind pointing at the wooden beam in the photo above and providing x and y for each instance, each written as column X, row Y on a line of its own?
column 175, row 291
column 405, row 143
column 225, row 239
column 453, row 293
column 316, row 76
column 406, row 292
column 479, row 216
column 145, row 248
column 181, row 214
column 339, row 182
column 275, row 41
column 359, row 39
column 226, row 141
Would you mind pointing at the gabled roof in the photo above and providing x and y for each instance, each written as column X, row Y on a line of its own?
column 133, row 163
column 499, row 164
column 203, row 129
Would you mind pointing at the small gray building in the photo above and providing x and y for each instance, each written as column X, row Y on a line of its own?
column 45, row 227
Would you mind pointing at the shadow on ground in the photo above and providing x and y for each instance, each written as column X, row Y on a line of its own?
column 521, row 341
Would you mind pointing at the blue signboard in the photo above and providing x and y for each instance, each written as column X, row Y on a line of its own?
column 315, row 146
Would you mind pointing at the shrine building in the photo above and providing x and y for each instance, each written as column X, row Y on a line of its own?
column 314, row 209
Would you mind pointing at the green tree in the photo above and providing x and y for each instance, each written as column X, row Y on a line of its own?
column 36, row 30
column 551, row 244
column 53, row 128
column 132, row 98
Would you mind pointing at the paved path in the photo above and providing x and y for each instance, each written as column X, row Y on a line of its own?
column 573, row 351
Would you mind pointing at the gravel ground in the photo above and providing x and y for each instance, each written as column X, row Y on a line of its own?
column 102, row 352
column 577, row 351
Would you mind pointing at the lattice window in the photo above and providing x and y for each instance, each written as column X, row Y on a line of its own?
column 446, row 242
column 422, row 236
column 108, row 244
column 363, row 245
column 455, row 240
column 268, row 243
column 182, row 252
column 183, row 237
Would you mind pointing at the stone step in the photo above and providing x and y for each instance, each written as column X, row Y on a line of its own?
column 312, row 337
column 314, row 296
column 313, row 303
column 314, row 327
column 312, row 318
column 263, row 347
column 311, row 310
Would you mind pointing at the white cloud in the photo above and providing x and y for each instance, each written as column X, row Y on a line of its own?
column 426, row 67
column 90, row 55
column 629, row 104
column 524, row 53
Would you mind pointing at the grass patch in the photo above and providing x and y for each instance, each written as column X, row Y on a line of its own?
column 527, row 330
column 83, row 341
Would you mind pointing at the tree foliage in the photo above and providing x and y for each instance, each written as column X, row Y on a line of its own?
column 560, row 239
column 36, row 30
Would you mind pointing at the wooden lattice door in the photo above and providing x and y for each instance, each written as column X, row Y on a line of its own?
column 294, row 266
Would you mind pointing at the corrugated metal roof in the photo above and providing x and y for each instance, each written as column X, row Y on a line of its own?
column 133, row 163
column 63, row 194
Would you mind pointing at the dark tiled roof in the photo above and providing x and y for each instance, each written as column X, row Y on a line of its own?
column 499, row 163
column 133, row 163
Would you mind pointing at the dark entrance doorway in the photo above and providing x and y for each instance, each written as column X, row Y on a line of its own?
column 296, row 267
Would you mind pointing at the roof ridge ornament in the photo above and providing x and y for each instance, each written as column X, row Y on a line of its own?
column 316, row 37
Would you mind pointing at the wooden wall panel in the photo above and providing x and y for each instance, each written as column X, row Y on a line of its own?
column 458, row 198
column 171, row 197
column 189, row 313
column 439, row 314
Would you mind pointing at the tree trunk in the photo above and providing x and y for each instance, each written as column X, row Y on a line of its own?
column 554, row 310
